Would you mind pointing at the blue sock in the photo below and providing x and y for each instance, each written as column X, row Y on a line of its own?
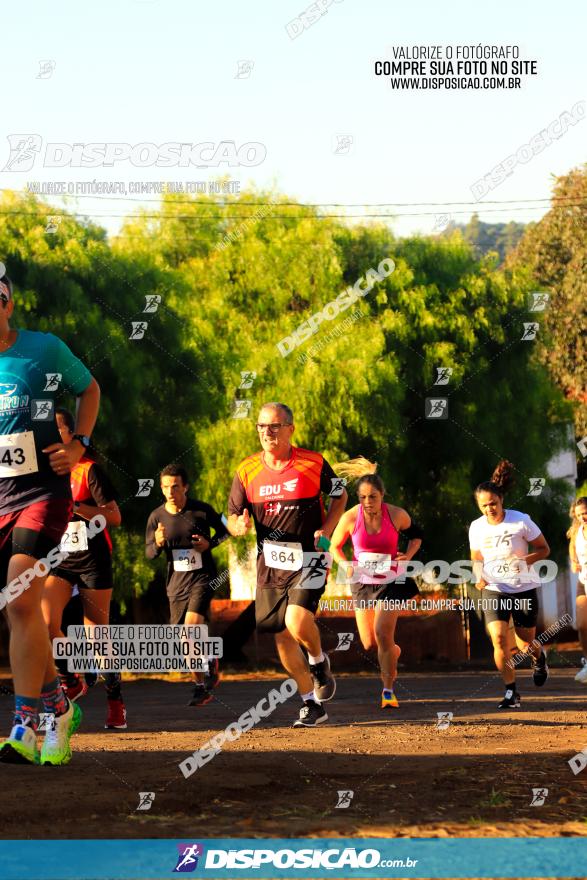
column 26, row 711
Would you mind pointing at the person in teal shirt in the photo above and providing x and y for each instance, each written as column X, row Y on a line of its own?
column 35, row 508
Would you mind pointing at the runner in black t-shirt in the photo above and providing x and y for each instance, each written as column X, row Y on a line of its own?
column 181, row 529
column 282, row 487
column 90, row 567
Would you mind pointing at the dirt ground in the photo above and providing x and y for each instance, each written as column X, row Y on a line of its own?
column 409, row 779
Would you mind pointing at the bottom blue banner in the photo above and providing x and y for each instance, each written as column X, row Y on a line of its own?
column 301, row 858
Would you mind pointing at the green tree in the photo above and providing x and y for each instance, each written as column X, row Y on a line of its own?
column 488, row 238
column 237, row 276
column 553, row 254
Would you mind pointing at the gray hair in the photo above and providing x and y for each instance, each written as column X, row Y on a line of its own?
column 284, row 409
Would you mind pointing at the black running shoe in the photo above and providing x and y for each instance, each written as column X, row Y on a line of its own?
column 212, row 677
column 539, row 670
column 311, row 714
column 200, row 696
column 511, row 699
column 324, row 683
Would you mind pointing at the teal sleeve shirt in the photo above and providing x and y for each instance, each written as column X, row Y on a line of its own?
column 34, row 372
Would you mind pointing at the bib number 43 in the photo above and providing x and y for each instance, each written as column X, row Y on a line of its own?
column 17, row 454
column 12, row 455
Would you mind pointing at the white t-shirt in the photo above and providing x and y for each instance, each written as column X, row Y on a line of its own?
column 501, row 546
column 581, row 551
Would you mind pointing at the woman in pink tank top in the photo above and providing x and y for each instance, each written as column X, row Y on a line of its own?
column 374, row 528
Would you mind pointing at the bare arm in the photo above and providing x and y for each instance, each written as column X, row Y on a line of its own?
column 402, row 521
column 540, row 550
column 335, row 511
column 110, row 512
column 63, row 457
column 575, row 565
column 477, row 557
column 341, row 534
column 88, row 404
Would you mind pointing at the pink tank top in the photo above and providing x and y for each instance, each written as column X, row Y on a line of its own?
column 385, row 541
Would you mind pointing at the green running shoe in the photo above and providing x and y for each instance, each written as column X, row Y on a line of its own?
column 20, row 747
column 56, row 749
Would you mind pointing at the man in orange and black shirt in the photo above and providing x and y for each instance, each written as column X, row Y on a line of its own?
column 282, row 488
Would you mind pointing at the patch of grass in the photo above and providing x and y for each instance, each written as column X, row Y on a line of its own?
column 497, row 799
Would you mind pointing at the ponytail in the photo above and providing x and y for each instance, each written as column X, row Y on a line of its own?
column 360, row 470
column 501, row 481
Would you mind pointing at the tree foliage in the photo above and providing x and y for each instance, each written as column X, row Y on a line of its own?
column 234, row 283
column 485, row 238
column 553, row 253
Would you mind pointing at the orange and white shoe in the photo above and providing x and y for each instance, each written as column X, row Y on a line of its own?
column 388, row 699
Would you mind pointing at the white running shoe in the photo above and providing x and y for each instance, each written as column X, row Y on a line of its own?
column 582, row 675
column 56, row 749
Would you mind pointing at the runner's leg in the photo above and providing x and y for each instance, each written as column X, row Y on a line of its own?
column 56, row 595
column 96, row 605
column 31, row 655
column 301, row 625
column 498, row 633
column 366, row 626
column 193, row 619
column 582, row 622
column 387, row 650
column 293, row 660
column 524, row 640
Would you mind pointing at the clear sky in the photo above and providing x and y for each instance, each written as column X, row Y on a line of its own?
column 155, row 71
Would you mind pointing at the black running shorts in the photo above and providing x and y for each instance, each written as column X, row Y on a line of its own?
column 523, row 607
column 99, row 577
column 198, row 602
column 364, row 595
column 271, row 604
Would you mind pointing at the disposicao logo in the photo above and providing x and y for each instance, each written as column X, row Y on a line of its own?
column 187, row 859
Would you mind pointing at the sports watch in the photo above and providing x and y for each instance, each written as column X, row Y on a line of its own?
column 83, row 439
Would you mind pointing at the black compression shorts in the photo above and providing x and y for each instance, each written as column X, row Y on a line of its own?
column 271, row 604
column 523, row 607
column 97, row 578
column 365, row 594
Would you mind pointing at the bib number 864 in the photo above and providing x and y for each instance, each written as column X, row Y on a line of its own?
column 282, row 556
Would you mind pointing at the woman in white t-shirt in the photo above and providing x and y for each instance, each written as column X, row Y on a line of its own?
column 500, row 540
column 577, row 536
